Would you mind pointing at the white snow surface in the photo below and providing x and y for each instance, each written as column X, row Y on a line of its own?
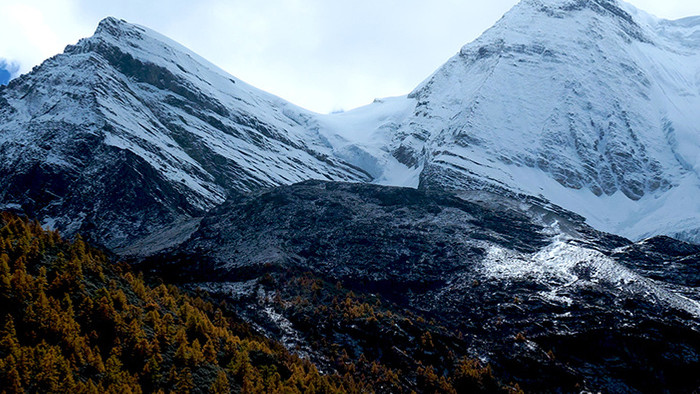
column 361, row 137
column 274, row 163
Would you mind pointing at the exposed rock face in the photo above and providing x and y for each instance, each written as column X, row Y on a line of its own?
column 127, row 132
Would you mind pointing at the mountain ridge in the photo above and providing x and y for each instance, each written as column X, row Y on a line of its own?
column 153, row 115
column 547, row 301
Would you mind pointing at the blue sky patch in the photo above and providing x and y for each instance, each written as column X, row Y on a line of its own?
column 8, row 69
column 4, row 76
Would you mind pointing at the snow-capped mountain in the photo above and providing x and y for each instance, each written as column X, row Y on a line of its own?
column 127, row 131
column 591, row 104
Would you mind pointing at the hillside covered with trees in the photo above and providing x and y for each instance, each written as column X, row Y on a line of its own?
column 75, row 321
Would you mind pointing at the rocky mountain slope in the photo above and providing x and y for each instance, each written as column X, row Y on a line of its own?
column 547, row 301
column 127, row 132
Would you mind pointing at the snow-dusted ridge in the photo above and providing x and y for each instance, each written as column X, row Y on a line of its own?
column 128, row 132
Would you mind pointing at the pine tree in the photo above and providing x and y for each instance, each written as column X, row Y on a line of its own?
column 209, row 352
column 221, row 384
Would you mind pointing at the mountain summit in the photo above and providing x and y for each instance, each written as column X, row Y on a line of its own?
column 589, row 104
column 128, row 131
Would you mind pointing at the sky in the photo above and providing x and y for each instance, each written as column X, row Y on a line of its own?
column 324, row 55
column 4, row 74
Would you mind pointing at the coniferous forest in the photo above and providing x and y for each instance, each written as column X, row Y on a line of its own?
column 73, row 322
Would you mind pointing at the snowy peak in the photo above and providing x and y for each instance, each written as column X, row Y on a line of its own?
column 612, row 10
column 117, row 28
column 590, row 104
column 563, row 8
column 130, row 121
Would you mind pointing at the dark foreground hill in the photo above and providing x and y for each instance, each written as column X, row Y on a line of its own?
column 75, row 322
column 416, row 279
column 377, row 289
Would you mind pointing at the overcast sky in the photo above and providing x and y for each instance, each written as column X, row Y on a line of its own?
column 323, row 55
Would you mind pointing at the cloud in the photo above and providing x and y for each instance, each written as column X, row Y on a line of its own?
column 34, row 30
